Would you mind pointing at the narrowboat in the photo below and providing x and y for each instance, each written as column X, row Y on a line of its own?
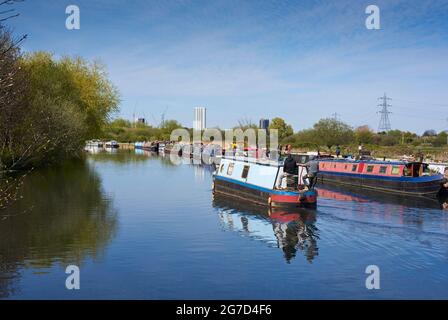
column 255, row 180
column 112, row 144
column 438, row 167
column 95, row 143
column 151, row 146
column 400, row 177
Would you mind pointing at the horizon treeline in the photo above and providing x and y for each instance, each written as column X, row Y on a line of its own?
column 326, row 133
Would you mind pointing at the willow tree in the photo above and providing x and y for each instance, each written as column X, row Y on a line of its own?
column 70, row 101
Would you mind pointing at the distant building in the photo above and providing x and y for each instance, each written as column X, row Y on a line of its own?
column 200, row 117
column 141, row 120
column 264, row 124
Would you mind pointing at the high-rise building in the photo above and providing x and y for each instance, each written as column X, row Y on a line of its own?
column 264, row 124
column 200, row 116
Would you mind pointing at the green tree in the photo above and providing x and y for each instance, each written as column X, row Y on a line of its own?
column 169, row 126
column 441, row 139
column 284, row 129
column 64, row 102
column 330, row 132
column 364, row 135
column 80, row 85
column 120, row 123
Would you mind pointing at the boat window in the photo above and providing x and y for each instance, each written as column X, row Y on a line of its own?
column 245, row 172
column 230, row 169
column 354, row 167
column 383, row 169
column 408, row 170
column 369, row 168
column 395, row 170
column 222, row 168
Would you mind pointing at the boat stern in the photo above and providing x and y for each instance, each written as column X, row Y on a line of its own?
column 307, row 198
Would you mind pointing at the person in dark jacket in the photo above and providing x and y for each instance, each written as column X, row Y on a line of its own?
column 289, row 168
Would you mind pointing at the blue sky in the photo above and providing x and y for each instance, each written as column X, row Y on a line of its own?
column 300, row 60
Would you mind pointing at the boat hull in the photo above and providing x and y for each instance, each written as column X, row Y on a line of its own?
column 424, row 187
column 263, row 196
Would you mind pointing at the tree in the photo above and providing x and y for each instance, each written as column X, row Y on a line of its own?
column 441, row 139
column 120, row 123
column 76, row 82
column 430, row 133
column 284, row 129
column 364, row 135
column 13, row 84
column 332, row 132
column 245, row 123
column 50, row 107
column 167, row 127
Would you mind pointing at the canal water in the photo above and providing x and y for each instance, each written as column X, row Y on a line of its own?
column 139, row 227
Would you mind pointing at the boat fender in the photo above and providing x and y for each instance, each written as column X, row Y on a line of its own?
column 269, row 200
column 213, row 186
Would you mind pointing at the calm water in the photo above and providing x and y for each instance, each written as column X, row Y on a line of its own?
column 139, row 227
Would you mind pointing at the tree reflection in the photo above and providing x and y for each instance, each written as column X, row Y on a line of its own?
column 64, row 217
column 292, row 232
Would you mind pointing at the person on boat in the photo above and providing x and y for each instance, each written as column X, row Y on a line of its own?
column 443, row 192
column 338, row 151
column 289, row 168
column 312, row 171
column 445, row 180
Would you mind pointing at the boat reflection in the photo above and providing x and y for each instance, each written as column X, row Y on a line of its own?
column 292, row 232
column 353, row 194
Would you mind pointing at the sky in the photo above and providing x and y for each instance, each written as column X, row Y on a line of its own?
column 246, row 60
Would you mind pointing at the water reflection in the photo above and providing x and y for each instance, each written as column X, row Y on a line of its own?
column 63, row 218
column 353, row 194
column 291, row 232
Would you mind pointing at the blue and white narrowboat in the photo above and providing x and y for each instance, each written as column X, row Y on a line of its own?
column 255, row 180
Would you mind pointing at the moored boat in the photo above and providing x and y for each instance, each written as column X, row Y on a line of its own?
column 112, row 144
column 148, row 146
column 400, row 177
column 95, row 143
column 254, row 180
column 138, row 145
column 438, row 167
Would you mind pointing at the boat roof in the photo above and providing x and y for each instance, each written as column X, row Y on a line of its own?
column 260, row 161
column 373, row 161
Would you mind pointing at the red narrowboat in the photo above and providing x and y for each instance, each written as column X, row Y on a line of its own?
column 409, row 178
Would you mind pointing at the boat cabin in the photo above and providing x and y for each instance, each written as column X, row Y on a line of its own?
column 260, row 172
column 378, row 168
